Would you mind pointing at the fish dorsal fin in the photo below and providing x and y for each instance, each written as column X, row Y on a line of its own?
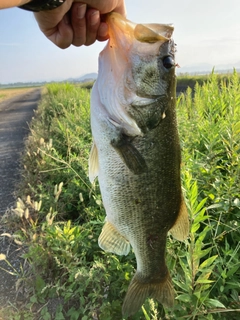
column 110, row 240
column 152, row 32
column 93, row 163
column 180, row 230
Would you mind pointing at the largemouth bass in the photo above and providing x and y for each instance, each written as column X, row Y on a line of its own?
column 136, row 153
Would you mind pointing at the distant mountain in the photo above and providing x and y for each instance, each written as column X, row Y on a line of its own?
column 84, row 78
column 198, row 68
column 205, row 68
column 229, row 67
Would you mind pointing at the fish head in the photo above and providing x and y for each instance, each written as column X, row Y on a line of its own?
column 137, row 65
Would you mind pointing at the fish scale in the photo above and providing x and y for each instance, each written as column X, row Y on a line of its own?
column 136, row 154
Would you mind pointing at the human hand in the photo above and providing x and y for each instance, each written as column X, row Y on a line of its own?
column 78, row 23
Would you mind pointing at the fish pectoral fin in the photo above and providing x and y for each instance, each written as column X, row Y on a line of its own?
column 139, row 290
column 180, row 230
column 93, row 163
column 110, row 240
column 129, row 154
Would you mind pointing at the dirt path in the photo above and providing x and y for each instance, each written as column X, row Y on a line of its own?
column 15, row 115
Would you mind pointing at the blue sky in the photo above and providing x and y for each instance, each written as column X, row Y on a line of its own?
column 207, row 34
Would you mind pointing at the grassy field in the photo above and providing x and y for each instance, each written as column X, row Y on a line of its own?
column 59, row 215
column 12, row 92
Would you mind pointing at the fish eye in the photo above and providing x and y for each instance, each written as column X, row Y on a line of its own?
column 168, row 62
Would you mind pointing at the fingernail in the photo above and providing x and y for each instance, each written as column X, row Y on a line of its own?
column 94, row 18
column 81, row 11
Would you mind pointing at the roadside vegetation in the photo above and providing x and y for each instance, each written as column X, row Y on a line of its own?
column 189, row 80
column 59, row 214
column 12, row 92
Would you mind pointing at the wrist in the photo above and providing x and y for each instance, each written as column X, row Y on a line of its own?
column 42, row 5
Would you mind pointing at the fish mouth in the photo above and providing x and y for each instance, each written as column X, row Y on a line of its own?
column 149, row 33
column 140, row 101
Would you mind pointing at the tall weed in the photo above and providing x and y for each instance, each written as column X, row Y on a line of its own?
column 62, row 231
column 211, row 153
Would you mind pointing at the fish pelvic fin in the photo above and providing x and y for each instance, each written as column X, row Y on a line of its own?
column 110, row 240
column 93, row 163
column 180, row 230
column 139, row 291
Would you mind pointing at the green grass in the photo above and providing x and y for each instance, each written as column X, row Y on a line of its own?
column 61, row 215
column 186, row 80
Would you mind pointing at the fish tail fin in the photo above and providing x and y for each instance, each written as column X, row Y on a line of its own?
column 139, row 291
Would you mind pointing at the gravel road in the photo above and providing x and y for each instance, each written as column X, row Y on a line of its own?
column 15, row 116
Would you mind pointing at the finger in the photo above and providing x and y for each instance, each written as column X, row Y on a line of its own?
column 78, row 23
column 102, row 33
column 105, row 6
column 62, row 34
column 93, row 23
column 55, row 24
column 121, row 8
